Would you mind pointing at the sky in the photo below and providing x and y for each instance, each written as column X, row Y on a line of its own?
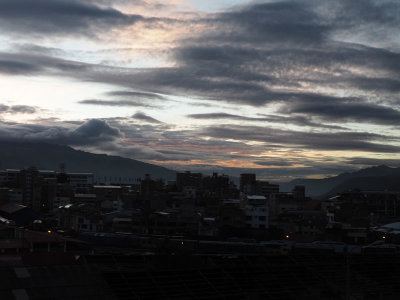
column 286, row 89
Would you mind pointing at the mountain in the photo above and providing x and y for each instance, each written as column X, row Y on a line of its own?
column 380, row 183
column 374, row 178
column 49, row 156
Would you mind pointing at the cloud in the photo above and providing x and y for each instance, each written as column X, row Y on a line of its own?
column 57, row 17
column 115, row 103
column 207, row 116
column 4, row 108
column 296, row 120
column 94, row 129
column 35, row 64
column 24, row 109
column 143, row 117
column 16, row 67
column 92, row 132
column 276, row 22
column 135, row 94
column 279, row 163
column 349, row 141
column 15, row 109
column 37, row 49
column 340, row 110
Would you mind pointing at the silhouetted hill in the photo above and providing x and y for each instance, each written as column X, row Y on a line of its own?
column 374, row 178
column 389, row 183
column 49, row 156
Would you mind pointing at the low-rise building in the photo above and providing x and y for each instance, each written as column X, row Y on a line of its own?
column 257, row 216
column 81, row 217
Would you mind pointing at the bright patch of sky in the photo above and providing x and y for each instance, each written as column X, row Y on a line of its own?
column 212, row 5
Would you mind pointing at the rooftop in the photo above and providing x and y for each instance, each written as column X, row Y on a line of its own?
column 11, row 208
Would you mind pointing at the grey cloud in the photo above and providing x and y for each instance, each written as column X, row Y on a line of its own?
column 207, row 116
column 115, row 103
column 368, row 17
column 96, row 128
column 16, row 67
column 351, row 141
column 33, row 48
column 31, row 64
column 143, row 117
column 50, row 17
column 15, row 109
column 91, row 132
column 279, row 163
column 296, row 120
column 24, row 109
column 346, row 110
column 278, row 22
column 375, row 84
column 135, row 94
column 4, row 108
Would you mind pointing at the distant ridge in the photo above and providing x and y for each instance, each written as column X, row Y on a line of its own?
column 377, row 178
column 49, row 156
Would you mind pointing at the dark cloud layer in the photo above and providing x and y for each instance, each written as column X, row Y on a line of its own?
column 339, row 111
column 135, row 94
column 92, row 132
column 15, row 109
column 17, row 67
column 115, row 103
column 50, row 17
column 143, row 117
column 350, row 141
column 296, row 120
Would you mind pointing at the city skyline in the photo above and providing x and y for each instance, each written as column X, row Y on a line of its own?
column 290, row 88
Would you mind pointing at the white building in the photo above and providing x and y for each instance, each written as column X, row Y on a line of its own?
column 257, row 216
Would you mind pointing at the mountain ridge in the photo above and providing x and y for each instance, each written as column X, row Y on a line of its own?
column 26, row 154
column 363, row 179
column 20, row 154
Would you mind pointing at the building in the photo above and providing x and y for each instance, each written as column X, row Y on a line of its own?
column 20, row 214
column 265, row 188
column 81, row 217
column 231, row 214
column 254, row 200
column 109, row 196
column 80, row 181
column 188, row 179
column 217, row 184
column 282, row 202
column 248, row 183
column 256, row 217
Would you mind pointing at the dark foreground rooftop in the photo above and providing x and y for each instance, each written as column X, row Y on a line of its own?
column 327, row 276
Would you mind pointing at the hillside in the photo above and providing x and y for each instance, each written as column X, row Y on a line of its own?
column 374, row 178
column 49, row 156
